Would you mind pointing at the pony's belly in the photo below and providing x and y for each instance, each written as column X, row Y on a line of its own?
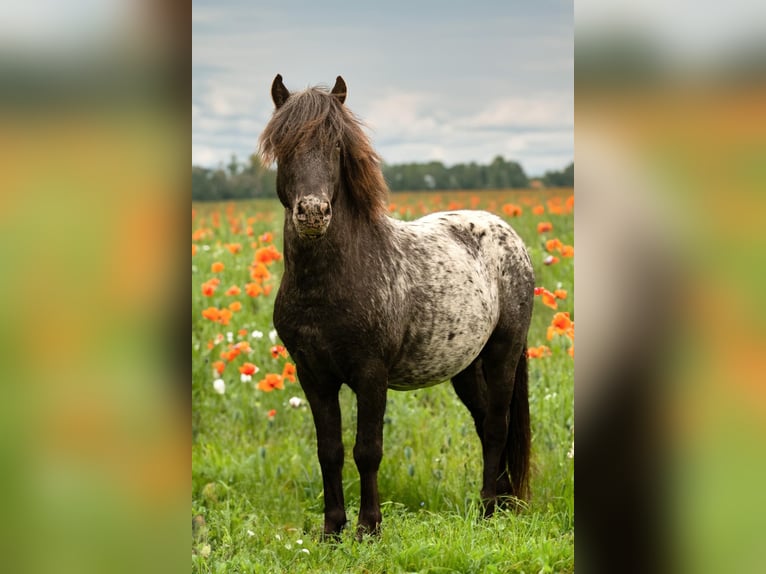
column 438, row 360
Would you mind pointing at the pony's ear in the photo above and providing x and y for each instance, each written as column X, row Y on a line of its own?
column 278, row 92
column 339, row 90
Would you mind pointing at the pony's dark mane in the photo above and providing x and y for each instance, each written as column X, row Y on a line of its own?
column 314, row 118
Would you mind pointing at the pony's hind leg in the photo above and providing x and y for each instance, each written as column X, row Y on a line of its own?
column 471, row 389
column 506, row 427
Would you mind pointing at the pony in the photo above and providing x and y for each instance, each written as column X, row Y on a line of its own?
column 376, row 303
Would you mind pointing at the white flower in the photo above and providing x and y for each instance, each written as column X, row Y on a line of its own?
column 205, row 248
column 256, row 335
column 306, row 550
column 548, row 260
column 299, row 541
column 230, row 337
column 273, row 335
column 246, row 378
column 295, row 402
column 570, row 454
column 220, row 386
column 250, row 533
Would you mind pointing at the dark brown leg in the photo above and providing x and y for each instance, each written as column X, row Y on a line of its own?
column 499, row 373
column 326, row 411
column 368, row 451
column 472, row 391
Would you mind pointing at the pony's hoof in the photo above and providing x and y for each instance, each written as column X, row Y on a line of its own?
column 332, row 530
column 489, row 508
column 367, row 532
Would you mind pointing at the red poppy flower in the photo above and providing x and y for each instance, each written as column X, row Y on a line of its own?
column 544, row 226
column 271, row 382
column 278, row 350
column 288, row 373
column 248, row 369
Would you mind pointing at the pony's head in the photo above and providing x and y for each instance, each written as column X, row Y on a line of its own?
column 319, row 146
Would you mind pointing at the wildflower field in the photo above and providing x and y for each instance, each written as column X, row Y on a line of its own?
column 256, row 484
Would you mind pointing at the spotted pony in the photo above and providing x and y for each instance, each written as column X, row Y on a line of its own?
column 377, row 303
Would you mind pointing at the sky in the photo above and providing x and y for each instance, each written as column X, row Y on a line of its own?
column 452, row 81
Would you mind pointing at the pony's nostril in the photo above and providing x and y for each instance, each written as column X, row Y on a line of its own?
column 324, row 209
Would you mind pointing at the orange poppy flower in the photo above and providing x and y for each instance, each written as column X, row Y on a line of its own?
column 219, row 366
column 550, row 260
column 560, row 325
column 553, row 245
column 561, row 321
column 560, row 293
column 208, row 288
column 244, row 346
column 271, row 382
column 242, row 332
column 225, row 316
column 544, row 226
column 259, row 272
column 253, row 289
column 511, row 210
column 266, row 290
column 570, row 350
column 249, row 231
column 570, row 202
column 248, row 369
column 538, row 352
column 549, row 299
column 267, row 237
column 230, row 355
column 217, row 267
column 288, row 373
column 267, row 254
column 278, row 350
column 271, row 414
column 194, row 250
column 234, row 248
column 567, row 251
column 211, row 313
column 538, row 210
column 235, row 306
column 233, row 290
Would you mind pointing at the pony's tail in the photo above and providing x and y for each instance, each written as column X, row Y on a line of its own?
column 519, row 433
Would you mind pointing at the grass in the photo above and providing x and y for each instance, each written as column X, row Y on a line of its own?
column 256, row 485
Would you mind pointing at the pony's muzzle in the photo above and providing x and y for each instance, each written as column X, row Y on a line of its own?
column 311, row 216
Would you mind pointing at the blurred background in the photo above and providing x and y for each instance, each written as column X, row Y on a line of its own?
column 670, row 143
column 94, row 132
column 670, row 140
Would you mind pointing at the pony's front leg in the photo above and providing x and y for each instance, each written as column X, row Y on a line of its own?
column 326, row 410
column 368, row 450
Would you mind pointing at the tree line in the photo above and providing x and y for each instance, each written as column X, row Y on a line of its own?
column 242, row 180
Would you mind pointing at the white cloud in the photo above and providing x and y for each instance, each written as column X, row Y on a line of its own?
column 540, row 111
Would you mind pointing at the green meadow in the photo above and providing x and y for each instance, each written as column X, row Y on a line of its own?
column 257, row 496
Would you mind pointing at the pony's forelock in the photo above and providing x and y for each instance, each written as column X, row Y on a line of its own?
column 314, row 118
